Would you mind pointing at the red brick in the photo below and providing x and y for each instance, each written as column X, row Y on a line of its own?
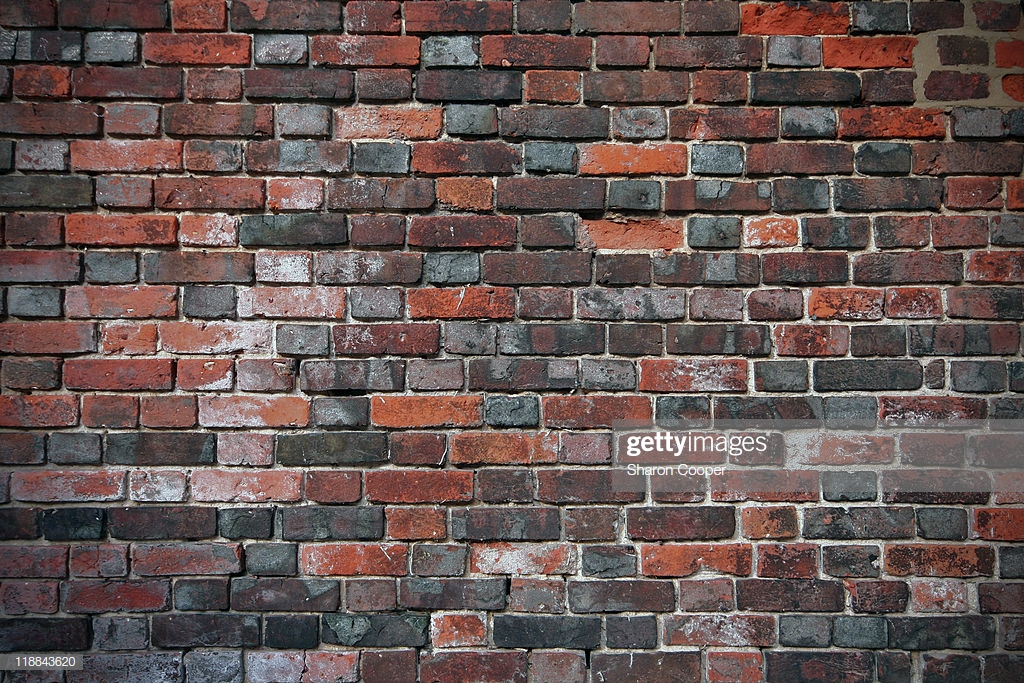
column 401, row 339
column 623, row 159
column 199, row 15
column 38, row 411
column 723, row 123
column 373, row 17
column 49, row 118
column 29, row 15
column 845, row 303
column 735, row 667
column 207, row 49
column 765, row 485
column 55, row 486
column 787, row 560
column 720, row 630
column 253, row 411
column 332, row 487
column 118, row 375
column 558, row 87
column 487, row 666
column 784, row 18
column 535, row 51
column 426, row 411
column 158, row 559
column 184, row 194
column 868, row 53
column 1010, row 54
column 291, row 302
column 96, row 597
column 913, row 302
column 686, row 559
column 353, row 559
column 974, row 193
column 37, row 562
column 209, row 231
column 502, row 448
column 896, row 409
column 36, row 338
column 168, row 411
column 594, row 411
column 419, row 486
column 622, row 50
column 468, row 194
column 938, row 596
column 441, row 158
column 770, row 231
column 892, row 122
column 120, row 230
column 458, row 630
column 121, row 301
column 416, row 523
column 39, row 266
column 239, row 448
column 111, row 82
column 364, row 50
column 400, row 123
column 811, row 340
column 42, row 81
column 205, row 375
column 33, row 229
column 287, row 15
column 920, row 559
column 799, row 158
column 246, row 486
column 462, row 231
column 692, row 375
column 655, row 233
column 29, row 597
column 290, row 194
column 626, row 87
column 103, row 13
column 996, row 524
column 1013, row 86
column 770, row 522
column 458, row 16
column 110, row 411
column 223, row 120
column 996, row 266
column 462, row 302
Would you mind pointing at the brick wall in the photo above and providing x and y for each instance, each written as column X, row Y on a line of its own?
column 317, row 316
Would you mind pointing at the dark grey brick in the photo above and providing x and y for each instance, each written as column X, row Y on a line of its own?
column 835, row 232
column 794, row 51
column 449, row 51
column 803, row 87
column 844, row 561
column 717, row 232
column 861, row 632
column 8, row 39
column 451, row 268
column 111, row 267
column 73, row 448
column 970, row 122
column 34, row 302
column 291, row 631
column 682, row 411
column 375, row 303
column 941, row 632
column 859, row 522
column 205, row 630
column 73, row 524
column 577, row 633
column 284, row 48
column 880, row 17
column 850, row 412
column 631, row 632
column 48, row 46
column 1015, row 376
column 639, row 123
column 609, row 561
column 716, row 159
column 799, row 194
column 638, row 303
column 350, row 412
column 376, row 630
column 453, row 593
column 271, row 559
column 331, row 448
column 1011, row 562
column 294, row 229
column 471, row 119
column 41, row 155
column 352, row 376
column 211, row 303
column 201, row 594
column 809, row 122
column 849, row 486
column 867, row 375
column 439, row 559
column 213, row 666
column 805, row 631
column 785, row 375
column 6, row 155
column 381, row 158
column 331, row 523
column 638, row 195
column 245, row 522
column 947, row 524
column 303, row 340
column 978, row 376
column 883, row 158
column 471, row 338
column 1007, row 230
column 550, row 157
column 111, row 47
column 512, row 411
column 121, row 633
column 303, row 120
column 609, row 375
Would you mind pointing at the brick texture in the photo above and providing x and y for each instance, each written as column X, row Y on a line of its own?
column 318, row 320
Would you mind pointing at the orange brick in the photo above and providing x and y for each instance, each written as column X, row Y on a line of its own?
column 868, row 53
column 470, row 194
column 120, row 230
column 416, row 523
column 648, row 159
column 462, row 302
column 205, row 49
column 650, row 234
column 787, row 19
column 426, row 411
column 388, row 122
column 561, row 87
column 689, row 558
column 770, row 231
column 354, row 559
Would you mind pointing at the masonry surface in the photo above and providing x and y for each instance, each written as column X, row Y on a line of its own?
column 317, row 316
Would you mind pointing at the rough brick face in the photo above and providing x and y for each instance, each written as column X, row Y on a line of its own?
column 320, row 321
